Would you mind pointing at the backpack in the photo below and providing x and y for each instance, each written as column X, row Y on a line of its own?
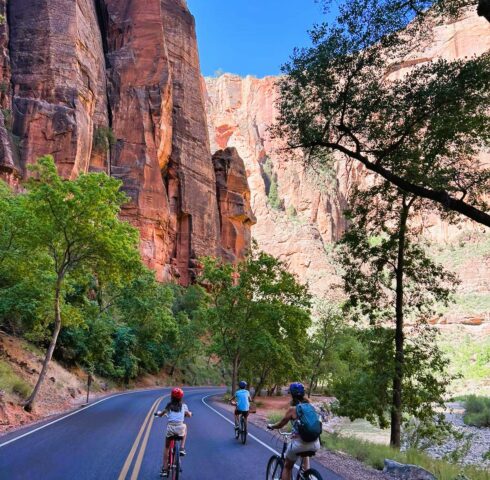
column 308, row 423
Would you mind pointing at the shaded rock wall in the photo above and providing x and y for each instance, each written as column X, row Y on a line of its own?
column 236, row 216
column 115, row 86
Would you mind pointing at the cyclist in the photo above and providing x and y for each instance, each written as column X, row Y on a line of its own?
column 176, row 411
column 297, row 445
column 242, row 402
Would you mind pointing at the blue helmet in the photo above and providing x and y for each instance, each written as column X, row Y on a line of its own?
column 297, row 389
column 242, row 384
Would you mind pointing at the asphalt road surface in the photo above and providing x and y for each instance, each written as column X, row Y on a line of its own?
column 119, row 438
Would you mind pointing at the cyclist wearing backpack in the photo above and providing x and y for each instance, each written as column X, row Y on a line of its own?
column 306, row 428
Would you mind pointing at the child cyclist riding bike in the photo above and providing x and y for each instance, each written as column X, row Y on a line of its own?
column 241, row 400
column 306, row 429
column 176, row 411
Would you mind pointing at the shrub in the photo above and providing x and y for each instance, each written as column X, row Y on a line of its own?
column 477, row 411
column 104, row 139
column 11, row 382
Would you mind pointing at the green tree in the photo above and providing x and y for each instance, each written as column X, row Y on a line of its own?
column 420, row 130
column 189, row 311
column 327, row 327
column 388, row 276
column 75, row 225
column 252, row 302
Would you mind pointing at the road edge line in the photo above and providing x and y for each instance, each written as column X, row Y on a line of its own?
column 203, row 400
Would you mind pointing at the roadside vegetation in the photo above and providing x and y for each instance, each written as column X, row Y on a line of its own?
column 374, row 454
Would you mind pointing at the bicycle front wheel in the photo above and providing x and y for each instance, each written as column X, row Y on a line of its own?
column 243, row 430
column 310, row 474
column 274, row 468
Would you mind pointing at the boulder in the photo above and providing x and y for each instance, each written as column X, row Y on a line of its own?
column 406, row 472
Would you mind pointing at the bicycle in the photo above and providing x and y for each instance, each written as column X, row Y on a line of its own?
column 173, row 460
column 174, row 466
column 241, row 429
column 275, row 465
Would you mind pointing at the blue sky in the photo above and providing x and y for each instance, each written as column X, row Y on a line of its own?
column 251, row 36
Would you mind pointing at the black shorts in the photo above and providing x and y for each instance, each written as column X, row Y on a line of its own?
column 241, row 412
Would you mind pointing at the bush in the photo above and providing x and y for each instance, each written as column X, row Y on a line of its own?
column 11, row 382
column 477, row 411
column 104, row 139
column 374, row 454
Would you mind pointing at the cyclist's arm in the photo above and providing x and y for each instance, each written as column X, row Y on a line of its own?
column 188, row 414
column 163, row 412
column 281, row 423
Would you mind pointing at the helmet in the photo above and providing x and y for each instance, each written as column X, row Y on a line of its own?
column 243, row 384
column 297, row 389
column 177, row 393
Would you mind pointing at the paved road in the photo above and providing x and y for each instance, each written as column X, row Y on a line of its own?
column 119, row 438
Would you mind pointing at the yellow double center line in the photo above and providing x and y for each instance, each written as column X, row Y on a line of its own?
column 145, row 428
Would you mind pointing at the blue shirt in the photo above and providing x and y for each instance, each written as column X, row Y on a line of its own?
column 242, row 400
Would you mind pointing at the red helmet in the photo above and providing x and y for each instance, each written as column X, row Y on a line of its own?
column 177, row 393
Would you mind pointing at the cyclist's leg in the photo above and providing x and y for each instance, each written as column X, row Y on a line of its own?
column 165, row 453
column 237, row 418
column 184, row 436
column 306, row 463
column 288, row 468
column 245, row 416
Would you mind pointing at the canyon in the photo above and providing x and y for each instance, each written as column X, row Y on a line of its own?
column 115, row 86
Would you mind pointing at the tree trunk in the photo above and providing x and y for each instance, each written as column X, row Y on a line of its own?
column 234, row 375
column 29, row 405
column 396, row 408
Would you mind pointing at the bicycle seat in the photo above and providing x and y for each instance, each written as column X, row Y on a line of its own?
column 307, row 454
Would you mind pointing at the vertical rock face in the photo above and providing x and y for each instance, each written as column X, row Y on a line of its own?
column 58, row 80
column 115, row 86
column 309, row 214
column 190, row 177
column 140, row 101
column 236, row 216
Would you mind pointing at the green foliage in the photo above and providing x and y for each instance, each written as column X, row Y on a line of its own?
column 271, row 186
column 416, row 130
column 7, row 118
column 258, row 317
column 104, row 139
column 10, row 382
column 374, row 455
column 477, row 411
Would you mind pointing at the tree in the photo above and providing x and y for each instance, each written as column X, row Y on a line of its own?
column 75, row 225
column 388, row 276
column 421, row 130
column 328, row 326
column 252, row 302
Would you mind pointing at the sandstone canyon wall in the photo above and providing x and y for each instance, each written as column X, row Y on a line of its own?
column 115, row 86
column 309, row 217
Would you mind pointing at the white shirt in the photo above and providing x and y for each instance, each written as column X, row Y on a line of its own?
column 177, row 417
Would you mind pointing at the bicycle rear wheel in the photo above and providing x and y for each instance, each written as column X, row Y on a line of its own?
column 310, row 474
column 243, row 429
column 274, row 468
column 176, row 465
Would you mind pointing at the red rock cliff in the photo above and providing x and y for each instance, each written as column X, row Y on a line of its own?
column 114, row 85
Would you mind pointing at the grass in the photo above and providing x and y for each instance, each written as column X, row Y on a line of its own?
column 477, row 411
column 374, row 454
column 274, row 416
column 470, row 358
column 10, row 382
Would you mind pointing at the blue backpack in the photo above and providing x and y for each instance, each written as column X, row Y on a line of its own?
column 308, row 422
